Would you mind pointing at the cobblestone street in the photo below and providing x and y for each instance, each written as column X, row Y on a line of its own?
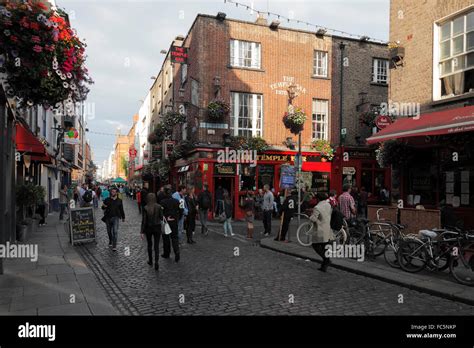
column 211, row 280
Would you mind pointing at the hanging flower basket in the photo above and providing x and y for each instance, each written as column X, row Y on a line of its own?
column 324, row 148
column 393, row 153
column 294, row 119
column 43, row 57
column 217, row 110
column 240, row 142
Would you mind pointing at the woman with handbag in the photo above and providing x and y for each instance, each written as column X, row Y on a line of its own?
column 249, row 207
column 151, row 227
column 228, row 214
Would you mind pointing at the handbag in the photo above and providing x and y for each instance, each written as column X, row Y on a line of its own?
column 166, row 226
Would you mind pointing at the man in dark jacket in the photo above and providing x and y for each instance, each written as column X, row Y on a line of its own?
column 288, row 209
column 204, row 204
column 171, row 212
column 113, row 207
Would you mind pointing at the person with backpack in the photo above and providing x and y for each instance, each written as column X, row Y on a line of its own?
column 179, row 196
column 322, row 233
column 87, row 197
column 204, row 205
column 151, row 227
column 288, row 209
column 113, row 208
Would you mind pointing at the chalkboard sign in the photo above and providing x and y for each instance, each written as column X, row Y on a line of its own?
column 82, row 225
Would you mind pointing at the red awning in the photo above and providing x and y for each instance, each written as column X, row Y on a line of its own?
column 46, row 158
column 435, row 123
column 27, row 142
column 316, row 167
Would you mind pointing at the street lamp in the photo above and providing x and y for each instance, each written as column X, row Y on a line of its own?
column 291, row 96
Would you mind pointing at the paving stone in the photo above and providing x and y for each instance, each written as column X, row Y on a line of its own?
column 66, row 309
column 35, row 301
column 59, row 269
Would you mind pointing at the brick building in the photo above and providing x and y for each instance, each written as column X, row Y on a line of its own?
column 433, row 72
column 251, row 65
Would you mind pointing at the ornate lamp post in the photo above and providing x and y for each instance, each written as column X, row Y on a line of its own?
column 291, row 96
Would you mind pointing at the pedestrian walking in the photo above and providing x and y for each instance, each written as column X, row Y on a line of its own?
column 227, row 203
column 138, row 196
column 249, row 207
column 322, row 234
column 143, row 194
column 63, row 201
column 161, row 193
column 333, row 198
column 179, row 196
column 151, row 227
column 267, row 210
column 113, row 207
column 171, row 213
column 95, row 199
column 288, row 209
column 219, row 199
column 204, row 206
column 190, row 222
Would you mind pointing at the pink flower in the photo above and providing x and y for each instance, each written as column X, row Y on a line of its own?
column 37, row 48
column 35, row 39
column 49, row 48
column 7, row 22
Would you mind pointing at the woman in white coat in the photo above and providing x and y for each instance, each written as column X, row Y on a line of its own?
column 322, row 233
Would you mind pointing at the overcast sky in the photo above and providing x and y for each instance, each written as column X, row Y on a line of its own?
column 124, row 39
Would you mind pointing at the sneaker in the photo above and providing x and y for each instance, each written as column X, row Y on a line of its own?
column 266, row 234
column 114, row 249
column 232, row 234
column 225, row 235
column 110, row 245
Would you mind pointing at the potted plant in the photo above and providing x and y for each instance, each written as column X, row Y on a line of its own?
column 324, row 148
column 294, row 119
column 25, row 201
column 217, row 110
column 257, row 143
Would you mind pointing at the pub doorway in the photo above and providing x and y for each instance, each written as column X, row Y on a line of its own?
column 221, row 184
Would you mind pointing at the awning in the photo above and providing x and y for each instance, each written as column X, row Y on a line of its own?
column 183, row 169
column 46, row 158
column 27, row 142
column 435, row 123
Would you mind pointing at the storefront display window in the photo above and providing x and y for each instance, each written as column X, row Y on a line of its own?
column 457, row 186
column 266, row 174
column 247, row 178
column 320, row 182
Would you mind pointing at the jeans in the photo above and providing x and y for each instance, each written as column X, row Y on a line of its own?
column 173, row 236
column 153, row 233
column 63, row 207
column 267, row 221
column 228, row 226
column 112, row 230
column 203, row 218
column 181, row 229
column 190, row 225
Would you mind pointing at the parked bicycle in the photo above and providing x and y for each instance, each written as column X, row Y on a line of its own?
column 439, row 250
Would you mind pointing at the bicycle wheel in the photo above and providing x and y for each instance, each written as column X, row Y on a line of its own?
column 462, row 265
column 412, row 255
column 390, row 255
column 341, row 237
column 303, row 233
column 378, row 243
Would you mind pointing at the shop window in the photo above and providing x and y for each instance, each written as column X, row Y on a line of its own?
column 456, row 55
column 265, row 175
column 247, row 178
column 320, row 182
column 457, row 186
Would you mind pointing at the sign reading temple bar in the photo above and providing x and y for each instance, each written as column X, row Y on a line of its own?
column 179, row 55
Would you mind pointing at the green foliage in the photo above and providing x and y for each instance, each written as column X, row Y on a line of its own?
column 240, row 142
column 393, row 152
column 218, row 109
column 294, row 119
column 324, row 148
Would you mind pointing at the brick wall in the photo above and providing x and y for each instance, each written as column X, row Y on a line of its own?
column 412, row 23
column 357, row 79
column 283, row 53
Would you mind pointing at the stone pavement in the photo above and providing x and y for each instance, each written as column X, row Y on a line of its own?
column 235, row 276
column 58, row 283
column 434, row 283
